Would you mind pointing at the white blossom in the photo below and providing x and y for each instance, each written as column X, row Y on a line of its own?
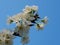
column 27, row 9
column 35, row 7
column 45, row 20
column 17, row 17
column 30, row 8
column 25, row 40
column 40, row 26
column 6, row 37
column 9, row 21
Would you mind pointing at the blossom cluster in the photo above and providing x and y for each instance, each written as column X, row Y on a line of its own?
column 27, row 18
column 6, row 37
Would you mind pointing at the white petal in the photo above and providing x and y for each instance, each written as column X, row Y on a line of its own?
column 45, row 20
column 35, row 7
column 40, row 26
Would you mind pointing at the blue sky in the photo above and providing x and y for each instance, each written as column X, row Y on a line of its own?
column 51, row 33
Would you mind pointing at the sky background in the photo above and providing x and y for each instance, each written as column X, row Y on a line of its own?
column 51, row 8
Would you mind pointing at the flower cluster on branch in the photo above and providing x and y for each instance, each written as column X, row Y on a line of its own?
column 27, row 18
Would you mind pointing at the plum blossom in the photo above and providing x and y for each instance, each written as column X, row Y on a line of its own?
column 24, row 20
column 30, row 8
column 6, row 37
column 40, row 26
column 45, row 19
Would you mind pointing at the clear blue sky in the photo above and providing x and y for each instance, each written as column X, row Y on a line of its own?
column 51, row 8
